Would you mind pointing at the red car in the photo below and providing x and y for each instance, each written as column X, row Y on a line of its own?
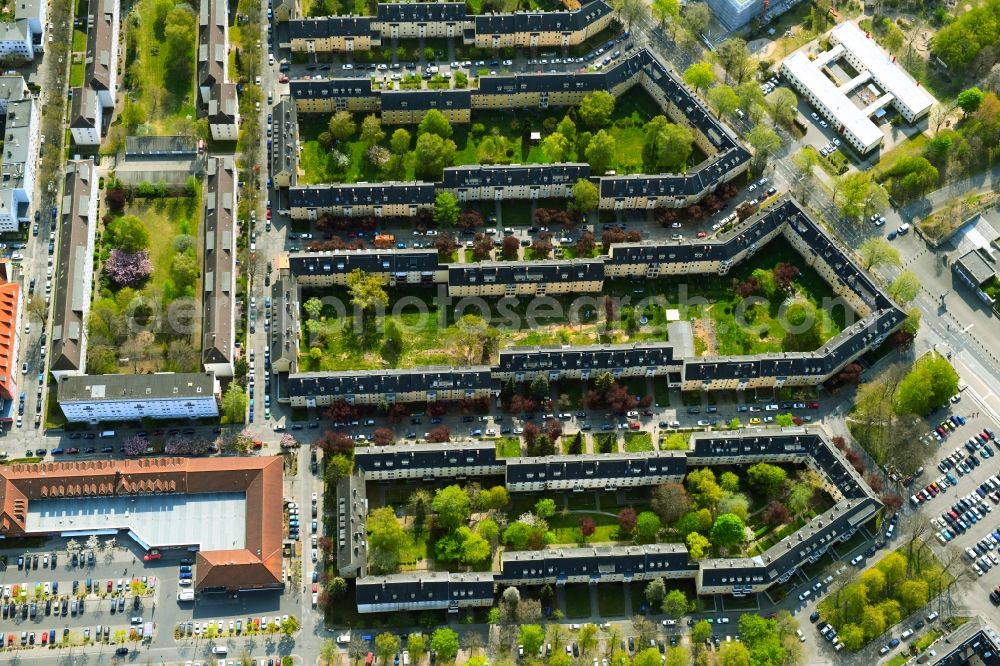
column 268, row 213
column 702, row 234
column 283, row 78
column 110, row 586
column 634, row 425
column 315, row 587
column 151, row 555
column 72, row 450
column 813, row 405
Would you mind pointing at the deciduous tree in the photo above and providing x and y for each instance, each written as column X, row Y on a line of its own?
column 699, row 76
column 342, row 125
column 595, row 109
column 877, row 251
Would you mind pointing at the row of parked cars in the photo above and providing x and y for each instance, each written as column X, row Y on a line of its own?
column 967, row 511
column 906, row 635
column 825, row 630
column 958, row 462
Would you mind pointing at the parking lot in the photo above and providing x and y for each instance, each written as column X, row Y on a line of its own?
column 92, row 597
column 127, row 598
column 959, row 490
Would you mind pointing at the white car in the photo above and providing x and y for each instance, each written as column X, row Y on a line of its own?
column 348, row 66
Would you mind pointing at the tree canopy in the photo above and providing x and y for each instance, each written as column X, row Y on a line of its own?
column 931, row 382
column 435, row 122
column 699, row 75
column 728, row 530
column 596, row 108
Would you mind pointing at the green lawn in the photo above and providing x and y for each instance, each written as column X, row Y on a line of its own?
column 911, row 148
column 163, row 87
column 577, row 601
column 430, row 337
column 76, row 73
column 637, row 442
column 79, row 40
column 416, row 547
column 675, row 441
column 925, row 641
column 508, row 447
column 759, row 328
column 165, row 219
column 566, row 528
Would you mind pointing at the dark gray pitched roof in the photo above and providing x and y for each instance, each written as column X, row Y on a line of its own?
column 510, row 272
column 71, row 275
column 596, row 358
column 420, row 12
column 595, row 562
column 326, row 88
column 342, row 384
column 361, row 194
column 425, row 587
column 329, row 26
column 609, row 466
column 371, row 261
column 514, row 175
column 423, row 100
column 220, row 261
column 505, row 24
column 421, row 456
column 100, row 33
column 284, row 153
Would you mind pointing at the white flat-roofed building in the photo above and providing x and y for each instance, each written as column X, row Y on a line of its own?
column 807, row 77
column 165, row 395
column 885, row 83
column 861, row 51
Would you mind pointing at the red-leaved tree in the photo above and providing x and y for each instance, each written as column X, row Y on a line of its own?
column 626, row 520
column 439, row 434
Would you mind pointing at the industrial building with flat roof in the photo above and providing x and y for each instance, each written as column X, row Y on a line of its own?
column 228, row 509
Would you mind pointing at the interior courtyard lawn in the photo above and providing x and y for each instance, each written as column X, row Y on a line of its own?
column 166, row 98
column 165, row 219
column 431, row 338
column 729, row 336
column 566, row 527
column 493, row 137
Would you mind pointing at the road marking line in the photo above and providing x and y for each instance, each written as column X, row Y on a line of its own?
column 966, row 329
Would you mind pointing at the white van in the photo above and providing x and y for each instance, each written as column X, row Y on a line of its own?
column 107, row 434
column 220, row 650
